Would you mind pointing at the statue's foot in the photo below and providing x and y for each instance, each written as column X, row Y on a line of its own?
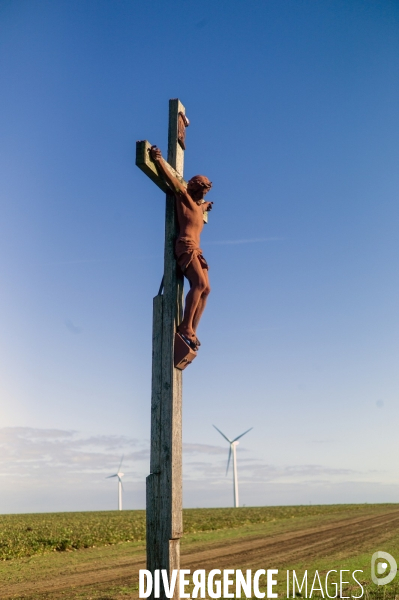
column 192, row 342
column 189, row 337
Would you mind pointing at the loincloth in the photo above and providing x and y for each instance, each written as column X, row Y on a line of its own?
column 186, row 250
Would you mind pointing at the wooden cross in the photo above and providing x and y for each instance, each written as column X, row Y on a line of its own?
column 164, row 484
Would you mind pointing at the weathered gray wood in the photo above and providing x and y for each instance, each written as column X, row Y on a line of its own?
column 164, row 484
column 147, row 165
column 156, row 384
column 154, row 540
column 175, row 151
column 171, row 432
column 153, row 491
column 171, row 381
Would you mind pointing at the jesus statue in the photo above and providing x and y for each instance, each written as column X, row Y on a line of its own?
column 190, row 208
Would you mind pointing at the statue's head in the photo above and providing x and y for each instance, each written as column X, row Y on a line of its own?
column 198, row 186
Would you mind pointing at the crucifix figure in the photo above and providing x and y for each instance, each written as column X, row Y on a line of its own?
column 190, row 208
column 172, row 351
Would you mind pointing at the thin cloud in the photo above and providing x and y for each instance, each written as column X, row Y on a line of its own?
column 79, row 261
column 75, row 329
column 255, row 471
column 37, row 459
column 245, row 241
column 26, row 452
column 203, row 449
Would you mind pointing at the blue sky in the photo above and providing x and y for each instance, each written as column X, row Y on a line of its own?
column 294, row 117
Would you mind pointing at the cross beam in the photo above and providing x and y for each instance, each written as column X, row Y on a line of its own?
column 147, row 165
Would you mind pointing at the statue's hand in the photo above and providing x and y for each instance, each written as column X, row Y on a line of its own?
column 208, row 206
column 155, row 153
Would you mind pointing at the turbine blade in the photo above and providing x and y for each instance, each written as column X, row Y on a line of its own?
column 226, row 438
column 119, row 468
column 240, row 436
column 109, row 476
column 228, row 460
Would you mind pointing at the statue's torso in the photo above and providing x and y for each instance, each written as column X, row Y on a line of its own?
column 190, row 217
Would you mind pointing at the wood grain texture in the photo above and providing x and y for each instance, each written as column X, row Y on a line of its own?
column 156, row 384
column 171, row 440
column 164, row 484
column 147, row 165
column 175, row 151
column 174, row 562
column 153, row 539
column 153, row 490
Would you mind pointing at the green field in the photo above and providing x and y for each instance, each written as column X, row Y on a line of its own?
column 29, row 534
column 74, row 550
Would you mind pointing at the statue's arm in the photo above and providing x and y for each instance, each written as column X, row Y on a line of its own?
column 170, row 179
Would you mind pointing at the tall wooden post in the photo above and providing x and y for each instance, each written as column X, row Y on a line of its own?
column 164, row 484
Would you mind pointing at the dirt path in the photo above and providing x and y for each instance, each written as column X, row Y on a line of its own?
column 273, row 551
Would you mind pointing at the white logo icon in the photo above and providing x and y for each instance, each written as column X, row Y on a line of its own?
column 382, row 567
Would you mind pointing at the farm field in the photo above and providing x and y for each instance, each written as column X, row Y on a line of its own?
column 98, row 555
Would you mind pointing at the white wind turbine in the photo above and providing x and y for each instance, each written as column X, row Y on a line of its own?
column 119, row 475
column 233, row 444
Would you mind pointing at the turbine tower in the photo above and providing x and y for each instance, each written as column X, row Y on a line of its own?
column 233, row 445
column 119, row 475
